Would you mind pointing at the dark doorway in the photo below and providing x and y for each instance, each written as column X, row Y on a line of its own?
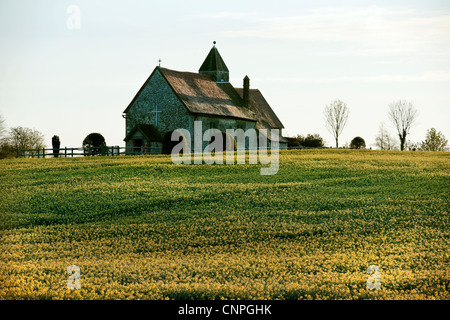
column 137, row 145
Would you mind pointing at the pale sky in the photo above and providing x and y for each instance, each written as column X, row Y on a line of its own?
column 300, row 54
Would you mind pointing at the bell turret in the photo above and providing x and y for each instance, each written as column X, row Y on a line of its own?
column 215, row 66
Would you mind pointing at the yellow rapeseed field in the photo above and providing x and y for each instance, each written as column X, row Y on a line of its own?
column 144, row 228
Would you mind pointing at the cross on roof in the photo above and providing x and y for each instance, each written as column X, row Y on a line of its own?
column 156, row 111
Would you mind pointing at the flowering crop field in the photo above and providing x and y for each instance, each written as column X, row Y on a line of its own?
column 141, row 227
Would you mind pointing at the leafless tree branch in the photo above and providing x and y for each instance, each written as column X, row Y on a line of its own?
column 336, row 116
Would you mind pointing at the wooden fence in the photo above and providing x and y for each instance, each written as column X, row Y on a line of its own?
column 88, row 151
column 107, row 151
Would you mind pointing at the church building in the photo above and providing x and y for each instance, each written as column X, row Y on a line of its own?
column 171, row 100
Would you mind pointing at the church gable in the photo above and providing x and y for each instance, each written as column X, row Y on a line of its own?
column 156, row 104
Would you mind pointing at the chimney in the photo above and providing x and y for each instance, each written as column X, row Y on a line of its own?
column 246, row 91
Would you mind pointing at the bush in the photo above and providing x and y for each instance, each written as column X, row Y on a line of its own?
column 313, row 141
column 358, row 143
column 434, row 141
column 56, row 144
column 6, row 149
column 308, row 141
column 94, row 143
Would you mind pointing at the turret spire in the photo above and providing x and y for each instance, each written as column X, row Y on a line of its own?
column 215, row 66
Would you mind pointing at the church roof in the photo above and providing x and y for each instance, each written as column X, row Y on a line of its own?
column 262, row 110
column 213, row 61
column 148, row 131
column 202, row 95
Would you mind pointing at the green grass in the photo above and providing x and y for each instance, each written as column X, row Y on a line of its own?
column 144, row 228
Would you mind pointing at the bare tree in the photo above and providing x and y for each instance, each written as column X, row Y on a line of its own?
column 25, row 138
column 336, row 116
column 403, row 115
column 384, row 140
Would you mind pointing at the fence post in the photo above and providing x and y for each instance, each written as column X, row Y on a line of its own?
column 43, row 153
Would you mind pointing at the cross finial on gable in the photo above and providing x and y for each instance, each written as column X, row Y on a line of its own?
column 159, row 62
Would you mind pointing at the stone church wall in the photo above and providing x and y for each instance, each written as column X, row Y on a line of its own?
column 157, row 93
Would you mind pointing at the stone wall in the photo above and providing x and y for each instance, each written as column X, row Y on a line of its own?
column 158, row 93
